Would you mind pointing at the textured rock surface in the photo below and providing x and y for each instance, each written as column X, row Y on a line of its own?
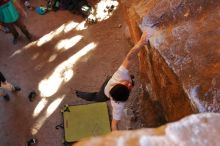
column 181, row 69
column 190, row 131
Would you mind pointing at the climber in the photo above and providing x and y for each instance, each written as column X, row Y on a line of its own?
column 118, row 87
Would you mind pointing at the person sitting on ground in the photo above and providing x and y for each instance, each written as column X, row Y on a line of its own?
column 4, row 85
column 118, row 87
column 10, row 17
column 82, row 7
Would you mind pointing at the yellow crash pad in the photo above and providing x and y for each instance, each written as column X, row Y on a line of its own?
column 83, row 121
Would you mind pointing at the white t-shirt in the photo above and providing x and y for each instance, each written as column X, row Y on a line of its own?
column 117, row 107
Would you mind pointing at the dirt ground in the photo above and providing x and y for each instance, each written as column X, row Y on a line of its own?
column 67, row 56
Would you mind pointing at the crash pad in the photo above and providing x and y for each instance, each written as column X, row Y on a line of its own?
column 83, row 121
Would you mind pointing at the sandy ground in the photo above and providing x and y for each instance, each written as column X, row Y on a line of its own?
column 73, row 57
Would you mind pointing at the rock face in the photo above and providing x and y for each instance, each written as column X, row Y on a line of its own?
column 180, row 69
column 195, row 130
